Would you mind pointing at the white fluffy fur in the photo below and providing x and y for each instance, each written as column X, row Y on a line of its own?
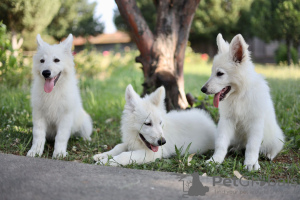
column 58, row 113
column 179, row 128
column 247, row 116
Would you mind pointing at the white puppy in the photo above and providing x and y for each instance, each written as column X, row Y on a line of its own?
column 247, row 116
column 149, row 132
column 56, row 104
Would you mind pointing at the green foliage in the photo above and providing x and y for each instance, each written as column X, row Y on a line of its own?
column 262, row 12
column 12, row 13
column 219, row 16
column 85, row 24
column 287, row 18
column 211, row 17
column 281, row 55
column 28, row 17
column 58, row 28
column 76, row 17
column 276, row 20
column 13, row 72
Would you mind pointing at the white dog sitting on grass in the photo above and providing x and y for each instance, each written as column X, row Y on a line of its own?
column 56, row 104
column 247, row 115
column 149, row 132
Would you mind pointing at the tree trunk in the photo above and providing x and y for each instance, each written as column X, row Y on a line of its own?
column 162, row 54
column 288, row 46
column 16, row 45
column 296, row 44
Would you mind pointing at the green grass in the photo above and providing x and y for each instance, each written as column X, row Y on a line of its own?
column 103, row 98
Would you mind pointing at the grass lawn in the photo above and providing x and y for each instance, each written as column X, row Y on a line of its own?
column 103, row 98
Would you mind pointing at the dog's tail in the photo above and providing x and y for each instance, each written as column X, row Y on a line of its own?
column 273, row 143
column 86, row 126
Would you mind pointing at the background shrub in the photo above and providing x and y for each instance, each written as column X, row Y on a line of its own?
column 13, row 72
column 281, row 54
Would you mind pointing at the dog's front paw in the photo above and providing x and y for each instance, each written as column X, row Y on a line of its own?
column 106, row 161
column 101, row 161
column 213, row 160
column 100, row 156
column 59, row 154
column 34, row 152
column 251, row 167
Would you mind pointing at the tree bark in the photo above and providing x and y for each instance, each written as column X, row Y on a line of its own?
column 296, row 44
column 288, row 46
column 162, row 54
column 16, row 45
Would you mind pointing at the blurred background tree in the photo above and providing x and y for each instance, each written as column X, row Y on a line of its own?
column 65, row 16
column 76, row 17
column 57, row 18
column 162, row 49
column 26, row 18
column 277, row 20
column 220, row 16
column 212, row 17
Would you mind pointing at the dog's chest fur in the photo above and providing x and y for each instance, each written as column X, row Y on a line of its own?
column 55, row 104
column 241, row 110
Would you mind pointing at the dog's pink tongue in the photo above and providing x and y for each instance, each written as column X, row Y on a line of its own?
column 49, row 84
column 216, row 99
column 154, row 148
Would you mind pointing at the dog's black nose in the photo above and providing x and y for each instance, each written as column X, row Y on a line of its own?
column 46, row 73
column 204, row 89
column 161, row 141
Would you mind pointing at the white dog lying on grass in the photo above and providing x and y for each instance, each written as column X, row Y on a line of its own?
column 247, row 116
column 149, row 132
column 56, row 104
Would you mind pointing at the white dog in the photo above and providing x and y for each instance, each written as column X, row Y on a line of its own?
column 247, row 116
column 149, row 132
column 56, row 104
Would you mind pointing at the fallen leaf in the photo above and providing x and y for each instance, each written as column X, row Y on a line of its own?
column 190, row 159
column 74, row 148
column 238, row 175
column 109, row 120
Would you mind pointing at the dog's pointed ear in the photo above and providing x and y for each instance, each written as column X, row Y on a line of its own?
column 223, row 46
column 158, row 97
column 131, row 98
column 39, row 40
column 238, row 49
column 68, row 42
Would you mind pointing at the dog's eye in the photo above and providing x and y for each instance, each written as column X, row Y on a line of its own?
column 148, row 124
column 42, row 60
column 220, row 74
column 56, row 60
